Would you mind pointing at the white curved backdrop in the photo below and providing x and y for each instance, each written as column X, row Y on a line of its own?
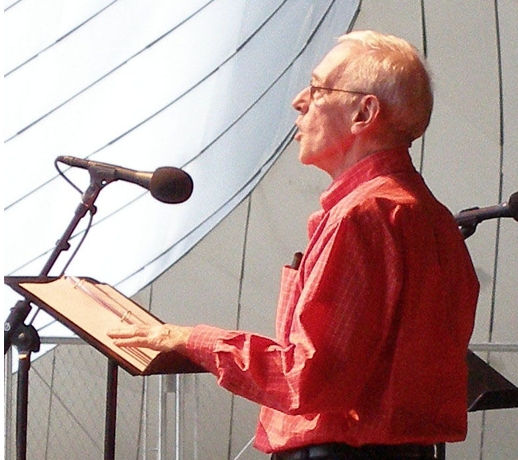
column 199, row 84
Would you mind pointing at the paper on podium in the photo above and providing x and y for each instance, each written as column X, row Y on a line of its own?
column 91, row 309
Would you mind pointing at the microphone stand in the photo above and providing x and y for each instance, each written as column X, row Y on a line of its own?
column 26, row 339
column 468, row 219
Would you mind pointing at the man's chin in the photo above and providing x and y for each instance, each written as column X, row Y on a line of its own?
column 304, row 160
column 304, row 155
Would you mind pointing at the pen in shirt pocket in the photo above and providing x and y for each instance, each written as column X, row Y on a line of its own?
column 295, row 263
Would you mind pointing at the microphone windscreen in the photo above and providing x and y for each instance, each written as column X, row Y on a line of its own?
column 171, row 185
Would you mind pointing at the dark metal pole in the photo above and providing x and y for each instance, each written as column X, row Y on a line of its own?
column 25, row 337
column 26, row 341
column 24, row 363
column 111, row 410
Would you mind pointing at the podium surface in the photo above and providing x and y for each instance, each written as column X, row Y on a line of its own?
column 90, row 309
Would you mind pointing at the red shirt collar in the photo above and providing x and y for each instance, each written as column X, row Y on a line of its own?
column 377, row 164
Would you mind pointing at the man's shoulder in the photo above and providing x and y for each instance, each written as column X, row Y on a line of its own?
column 383, row 193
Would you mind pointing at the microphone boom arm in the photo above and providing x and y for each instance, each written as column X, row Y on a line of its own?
column 21, row 310
column 468, row 219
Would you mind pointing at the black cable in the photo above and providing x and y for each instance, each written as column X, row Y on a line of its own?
column 83, row 232
column 63, row 175
column 90, row 220
column 81, row 241
column 501, row 165
column 424, row 35
column 238, row 314
column 424, row 38
column 48, row 251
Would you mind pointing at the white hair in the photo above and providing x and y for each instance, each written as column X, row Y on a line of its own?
column 393, row 70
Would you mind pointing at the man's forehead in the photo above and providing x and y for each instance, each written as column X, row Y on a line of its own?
column 333, row 64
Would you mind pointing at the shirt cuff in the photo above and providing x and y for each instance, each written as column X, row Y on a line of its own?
column 201, row 345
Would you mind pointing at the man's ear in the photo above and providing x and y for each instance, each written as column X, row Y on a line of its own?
column 367, row 113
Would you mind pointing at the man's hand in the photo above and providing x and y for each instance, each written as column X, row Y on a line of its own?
column 165, row 337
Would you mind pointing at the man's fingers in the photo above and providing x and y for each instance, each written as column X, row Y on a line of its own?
column 141, row 336
column 160, row 337
column 128, row 332
column 131, row 342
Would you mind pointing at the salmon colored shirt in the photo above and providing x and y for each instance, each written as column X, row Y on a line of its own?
column 372, row 329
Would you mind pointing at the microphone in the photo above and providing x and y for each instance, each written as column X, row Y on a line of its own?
column 471, row 217
column 166, row 184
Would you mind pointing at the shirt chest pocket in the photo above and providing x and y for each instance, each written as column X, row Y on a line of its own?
column 288, row 298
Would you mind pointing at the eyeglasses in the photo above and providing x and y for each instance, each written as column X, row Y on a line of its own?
column 313, row 89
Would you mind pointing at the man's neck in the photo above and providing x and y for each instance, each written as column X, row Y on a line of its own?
column 358, row 152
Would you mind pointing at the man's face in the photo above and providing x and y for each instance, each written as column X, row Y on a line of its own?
column 325, row 119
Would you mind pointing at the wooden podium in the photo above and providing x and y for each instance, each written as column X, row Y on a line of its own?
column 90, row 309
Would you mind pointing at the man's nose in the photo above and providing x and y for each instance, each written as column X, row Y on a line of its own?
column 301, row 101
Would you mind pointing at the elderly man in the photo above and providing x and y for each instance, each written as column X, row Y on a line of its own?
column 373, row 325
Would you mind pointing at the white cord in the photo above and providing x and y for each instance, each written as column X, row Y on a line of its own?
column 244, row 448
